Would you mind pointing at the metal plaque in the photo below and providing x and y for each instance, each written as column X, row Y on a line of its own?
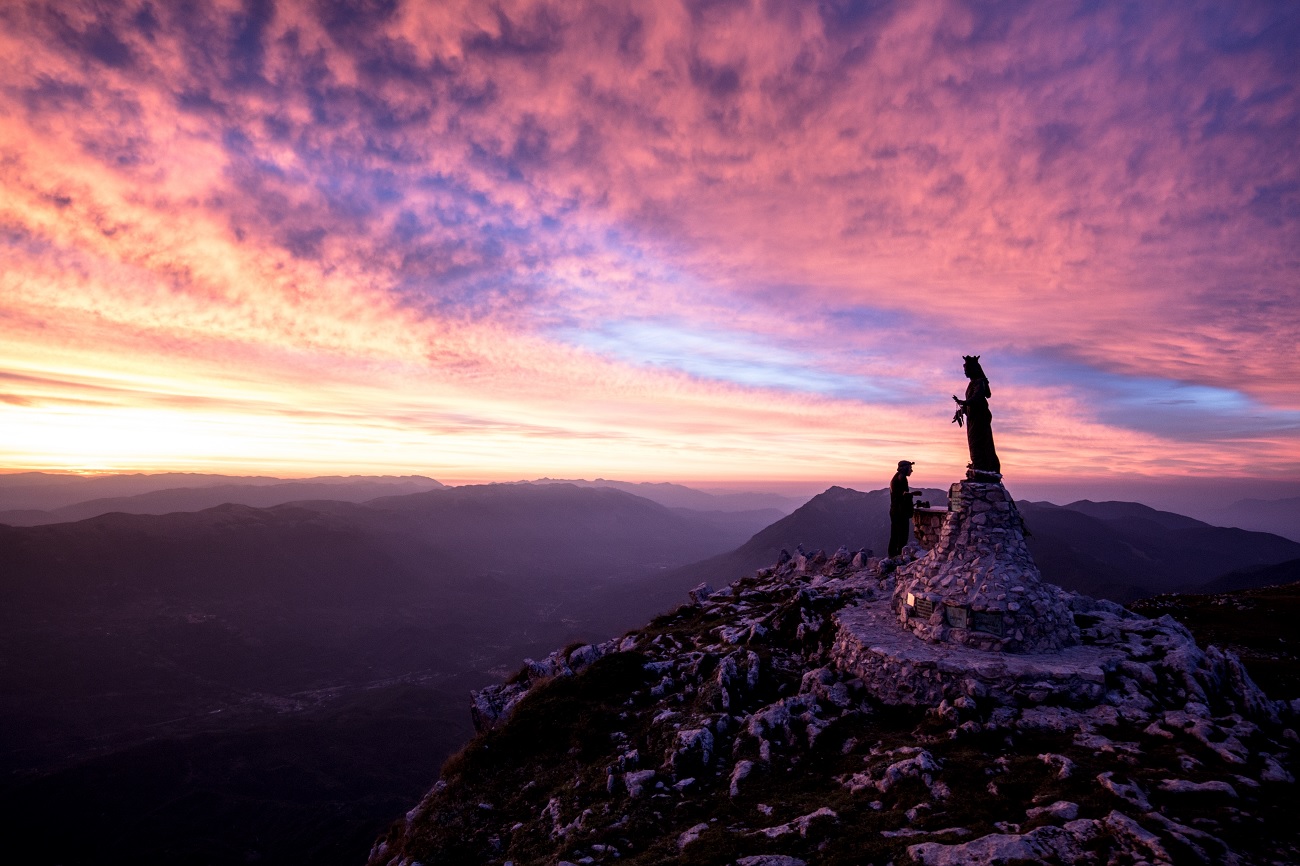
column 924, row 607
column 987, row 621
column 956, row 615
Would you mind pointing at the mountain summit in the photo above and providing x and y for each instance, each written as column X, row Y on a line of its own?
column 803, row 716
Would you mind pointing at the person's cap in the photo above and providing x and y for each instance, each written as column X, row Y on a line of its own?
column 903, row 464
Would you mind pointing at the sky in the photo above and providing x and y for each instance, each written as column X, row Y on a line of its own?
column 712, row 241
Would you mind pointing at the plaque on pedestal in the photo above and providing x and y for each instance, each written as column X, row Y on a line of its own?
column 987, row 621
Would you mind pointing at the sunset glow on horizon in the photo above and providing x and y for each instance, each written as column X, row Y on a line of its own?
column 714, row 241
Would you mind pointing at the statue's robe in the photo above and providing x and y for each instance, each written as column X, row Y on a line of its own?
column 979, row 427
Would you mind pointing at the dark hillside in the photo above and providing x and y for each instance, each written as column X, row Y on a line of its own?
column 1124, row 550
column 1280, row 516
column 680, row 496
column 743, row 523
column 1134, row 513
column 553, row 528
column 1257, row 624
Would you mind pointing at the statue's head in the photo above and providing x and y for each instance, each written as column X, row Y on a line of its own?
column 971, row 367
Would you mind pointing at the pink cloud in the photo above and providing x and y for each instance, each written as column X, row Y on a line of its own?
column 326, row 210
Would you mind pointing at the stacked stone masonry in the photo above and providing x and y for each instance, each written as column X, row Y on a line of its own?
column 978, row 585
column 1136, row 666
column 927, row 524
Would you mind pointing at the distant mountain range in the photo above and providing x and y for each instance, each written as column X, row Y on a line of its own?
column 1279, row 516
column 249, row 654
column 33, row 499
column 680, row 496
column 36, row 498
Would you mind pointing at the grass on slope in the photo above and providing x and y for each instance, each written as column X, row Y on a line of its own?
column 1262, row 626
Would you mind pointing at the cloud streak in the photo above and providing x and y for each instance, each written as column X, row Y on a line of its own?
column 686, row 240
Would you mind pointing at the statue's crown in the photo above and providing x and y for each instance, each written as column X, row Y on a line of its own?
column 969, row 358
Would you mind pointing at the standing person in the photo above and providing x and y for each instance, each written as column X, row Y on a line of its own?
column 900, row 508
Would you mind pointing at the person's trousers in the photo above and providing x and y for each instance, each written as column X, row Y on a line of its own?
column 900, row 532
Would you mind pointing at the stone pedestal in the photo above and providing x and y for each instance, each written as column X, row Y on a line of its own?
column 978, row 586
column 927, row 526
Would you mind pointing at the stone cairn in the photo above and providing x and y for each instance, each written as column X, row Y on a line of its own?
column 978, row 585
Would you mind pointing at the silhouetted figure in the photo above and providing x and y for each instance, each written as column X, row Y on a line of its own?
column 900, row 508
column 978, row 417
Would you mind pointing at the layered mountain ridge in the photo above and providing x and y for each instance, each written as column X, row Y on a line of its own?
column 1117, row 550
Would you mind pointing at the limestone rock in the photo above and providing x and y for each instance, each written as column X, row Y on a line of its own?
column 691, row 835
column 1046, row 844
column 701, row 593
column 637, row 781
column 799, row 825
column 1061, row 810
column 1182, row 786
column 738, row 774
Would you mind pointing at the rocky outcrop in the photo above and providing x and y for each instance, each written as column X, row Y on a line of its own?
column 494, row 704
column 788, row 718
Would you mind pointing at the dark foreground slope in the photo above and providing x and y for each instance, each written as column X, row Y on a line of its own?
column 724, row 733
column 268, row 685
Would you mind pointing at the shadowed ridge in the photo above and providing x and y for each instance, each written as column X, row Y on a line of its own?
column 1259, row 577
column 1132, row 556
column 1129, row 511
